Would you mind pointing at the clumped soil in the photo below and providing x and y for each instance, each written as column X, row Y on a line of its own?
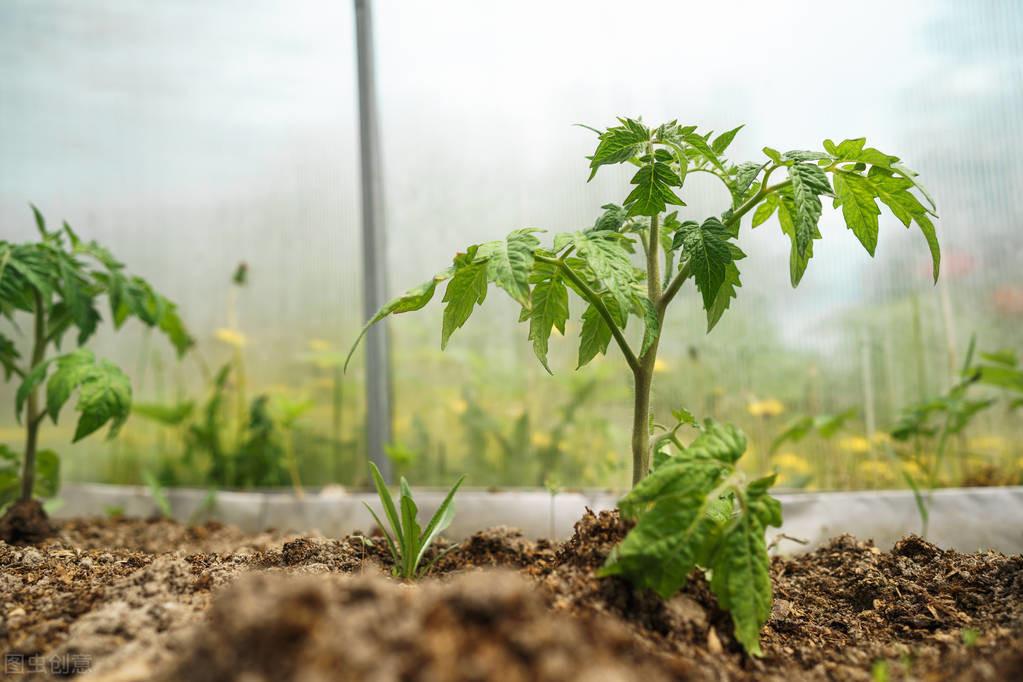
column 156, row 600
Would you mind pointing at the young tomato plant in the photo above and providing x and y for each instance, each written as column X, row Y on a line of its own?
column 58, row 282
column 696, row 509
column 597, row 263
column 406, row 541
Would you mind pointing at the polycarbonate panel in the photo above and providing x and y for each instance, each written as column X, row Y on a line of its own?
column 189, row 138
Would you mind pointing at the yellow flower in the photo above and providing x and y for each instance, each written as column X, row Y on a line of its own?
column 458, row 406
column 319, row 345
column 792, row 462
column 661, row 366
column 912, row 468
column 856, row 444
column 765, row 408
column 988, row 443
column 231, row 337
column 880, row 438
column 874, row 468
column 540, row 440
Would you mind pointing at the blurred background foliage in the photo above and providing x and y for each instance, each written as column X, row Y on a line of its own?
column 197, row 137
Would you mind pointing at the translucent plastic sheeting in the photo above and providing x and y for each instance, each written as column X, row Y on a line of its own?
column 965, row 519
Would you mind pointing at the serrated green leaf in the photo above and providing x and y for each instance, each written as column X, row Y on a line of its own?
column 726, row 292
column 854, row 150
column 651, row 325
column 808, row 183
column 467, row 289
column 765, row 210
column 619, row 144
column 706, row 249
column 653, row 192
column 745, row 175
column 33, row 379
column 741, row 577
column 893, row 190
column 413, row 299
column 800, row 156
column 797, row 262
column 104, row 395
column 773, row 154
column 509, row 262
column 723, row 442
column 71, row 370
column 674, row 528
column 8, row 356
column 594, row 337
column 611, row 220
column 607, row 256
column 855, row 195
column 549, row 311
column 721, row 142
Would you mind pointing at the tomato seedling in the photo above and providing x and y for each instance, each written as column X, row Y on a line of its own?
column 597, row 263
column 58, row 281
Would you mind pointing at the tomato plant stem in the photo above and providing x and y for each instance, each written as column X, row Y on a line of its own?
column 33, row 416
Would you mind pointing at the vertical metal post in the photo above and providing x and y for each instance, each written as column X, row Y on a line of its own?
column 374, row 254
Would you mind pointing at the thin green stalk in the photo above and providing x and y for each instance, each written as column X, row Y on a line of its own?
column 34, row 416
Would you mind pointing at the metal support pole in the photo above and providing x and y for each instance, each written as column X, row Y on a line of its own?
column 374, row 290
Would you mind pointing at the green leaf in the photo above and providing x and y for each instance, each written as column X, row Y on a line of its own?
column 653, row 192
column 651, row 325
column 28, row 384
column 855, row 194
column 440, row 522
column 509, row 262
column 619, row 144
column 168, row 415
column 765, row 210
column 774, row 155
column 673, row 507
column 893, row 190
column 808, row 183
column 741, row 578
column 413, row 299
column 721, row 142
column 467, row 289
column 726, row 292
column 608, row 257
column 611, row 220
column 594, row 337
column 386, row 501
column 853, row 150
column 549, row 311
column 104, row 392
column 797, row 261
column 745, row 175
column 8, row 356
column 706, row 248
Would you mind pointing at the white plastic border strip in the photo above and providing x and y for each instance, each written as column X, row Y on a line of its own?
column 966, row 519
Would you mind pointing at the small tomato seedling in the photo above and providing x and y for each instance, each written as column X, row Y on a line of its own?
column 58, row 281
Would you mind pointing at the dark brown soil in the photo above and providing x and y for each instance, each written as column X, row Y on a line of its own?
column 25, row 523
column 136, row 600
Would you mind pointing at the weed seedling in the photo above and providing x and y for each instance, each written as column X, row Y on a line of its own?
column 58, row 281
column 406, row 541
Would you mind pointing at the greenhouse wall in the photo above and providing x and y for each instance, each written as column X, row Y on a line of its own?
column 198, row 140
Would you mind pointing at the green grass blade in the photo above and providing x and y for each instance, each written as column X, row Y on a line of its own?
column 440, row 555
column 386, row 500
column 387, row 536
column 411, row 541
column 441, row 520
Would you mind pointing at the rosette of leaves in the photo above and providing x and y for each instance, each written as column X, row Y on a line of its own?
column 696, row 510
column 59, row 282
column 634, row 259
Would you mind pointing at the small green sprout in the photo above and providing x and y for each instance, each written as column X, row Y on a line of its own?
column 406, row 542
